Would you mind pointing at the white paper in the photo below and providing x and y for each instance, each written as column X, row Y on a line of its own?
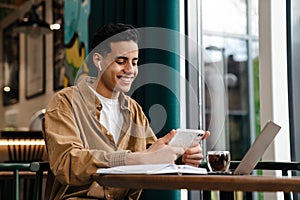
column 153, row 169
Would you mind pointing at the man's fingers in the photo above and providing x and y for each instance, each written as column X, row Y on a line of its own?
column 168, row 136
column 194, row 150
column 178, row 150
column 206, row 135
column 192, row 162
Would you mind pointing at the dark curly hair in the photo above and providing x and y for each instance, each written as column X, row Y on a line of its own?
column 113, row 33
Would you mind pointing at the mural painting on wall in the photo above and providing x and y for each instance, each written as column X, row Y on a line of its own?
column 72, row 43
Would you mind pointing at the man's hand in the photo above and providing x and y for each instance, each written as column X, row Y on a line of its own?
column 162, row 152
column 158, row 153
column 193, row 155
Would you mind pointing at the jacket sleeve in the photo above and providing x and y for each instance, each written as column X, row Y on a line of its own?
column 70, row 161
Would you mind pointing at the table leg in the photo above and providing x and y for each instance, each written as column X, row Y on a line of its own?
column 226, row 195
column 206, row 195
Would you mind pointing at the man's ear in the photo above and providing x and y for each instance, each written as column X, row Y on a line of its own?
column 97, row 60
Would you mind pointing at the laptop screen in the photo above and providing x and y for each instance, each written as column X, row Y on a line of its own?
column 258, row 148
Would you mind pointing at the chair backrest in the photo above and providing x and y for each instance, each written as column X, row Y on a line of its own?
column 16, row 168
column 284, row 167
column 36, row 120
column 44, row 132
column 44, row 167
column 38, row 185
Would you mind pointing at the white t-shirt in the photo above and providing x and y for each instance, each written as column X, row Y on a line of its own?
column 111, row 116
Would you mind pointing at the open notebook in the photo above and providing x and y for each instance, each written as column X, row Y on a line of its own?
column 153, row 169
column 257, row 149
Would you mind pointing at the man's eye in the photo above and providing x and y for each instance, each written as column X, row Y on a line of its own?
column 121, row 62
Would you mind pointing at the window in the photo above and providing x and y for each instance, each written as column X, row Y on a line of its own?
column 230, row 62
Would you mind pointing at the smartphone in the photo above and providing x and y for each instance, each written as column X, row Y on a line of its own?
column 186, row 137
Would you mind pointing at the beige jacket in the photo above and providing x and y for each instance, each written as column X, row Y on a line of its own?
column 77, row 144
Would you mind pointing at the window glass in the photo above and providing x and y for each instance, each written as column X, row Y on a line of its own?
column 254, row 17
column 232, row 46
column 233, row 65
column 255, row 53
column 229, row 16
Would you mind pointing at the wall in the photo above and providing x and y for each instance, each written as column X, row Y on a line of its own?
column 274, row 93
column 26, row 108
column 293, row 14
column 294, row 81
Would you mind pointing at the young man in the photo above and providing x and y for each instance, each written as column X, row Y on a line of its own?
column 95, row 125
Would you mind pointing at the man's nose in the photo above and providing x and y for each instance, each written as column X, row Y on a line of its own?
column 129, row 67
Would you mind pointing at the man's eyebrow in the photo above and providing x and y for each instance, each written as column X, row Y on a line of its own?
column 125, row 58
column 121, row 57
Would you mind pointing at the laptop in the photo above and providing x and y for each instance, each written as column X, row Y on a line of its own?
column 257, row 149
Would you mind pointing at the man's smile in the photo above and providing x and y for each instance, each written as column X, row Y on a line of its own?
column 125, row 78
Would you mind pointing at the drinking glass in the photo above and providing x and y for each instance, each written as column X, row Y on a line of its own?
column 218, row 161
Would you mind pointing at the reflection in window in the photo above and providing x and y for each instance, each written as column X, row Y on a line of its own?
column 226, row 28
column 232, row 46
column 235, row 77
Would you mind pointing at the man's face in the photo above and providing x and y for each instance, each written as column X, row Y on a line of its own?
column 120, row 67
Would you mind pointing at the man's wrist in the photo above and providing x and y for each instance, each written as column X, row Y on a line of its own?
column 135, row 158
column 118, row 158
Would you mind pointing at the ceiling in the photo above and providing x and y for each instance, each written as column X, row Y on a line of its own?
column 9, row 6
